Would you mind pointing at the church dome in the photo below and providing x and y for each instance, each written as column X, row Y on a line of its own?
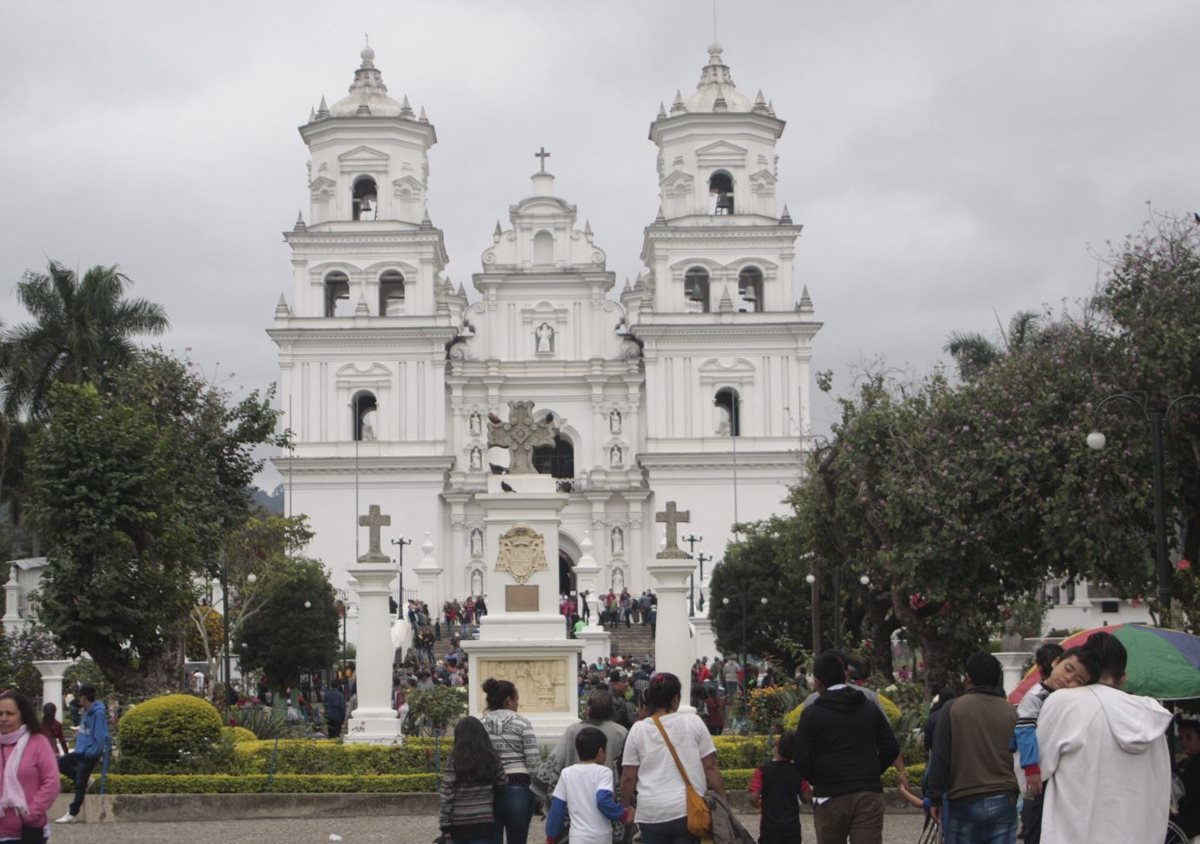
column 368, row 95
column 716, row 91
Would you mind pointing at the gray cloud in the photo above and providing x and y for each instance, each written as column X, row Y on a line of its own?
column 948, row 159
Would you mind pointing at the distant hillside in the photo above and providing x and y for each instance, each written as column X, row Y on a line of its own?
column 271, row 502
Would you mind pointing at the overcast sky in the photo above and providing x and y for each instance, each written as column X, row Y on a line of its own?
column 949, row 160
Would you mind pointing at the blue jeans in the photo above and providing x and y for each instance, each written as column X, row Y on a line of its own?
column 514, row 812
column 78, row 768
column 991, row 819
column 667, row 832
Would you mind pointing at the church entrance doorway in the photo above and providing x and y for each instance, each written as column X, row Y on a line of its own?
column 566, row 573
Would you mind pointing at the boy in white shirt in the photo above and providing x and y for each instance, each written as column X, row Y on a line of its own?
column 586, row 790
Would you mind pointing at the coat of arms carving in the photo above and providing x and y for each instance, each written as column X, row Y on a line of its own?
column 522, row 552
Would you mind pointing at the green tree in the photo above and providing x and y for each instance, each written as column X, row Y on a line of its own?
column 973, row 353
column 81, row 330
column 133, row 491
column 296, row 630
column 764, row 564
column 18, row 651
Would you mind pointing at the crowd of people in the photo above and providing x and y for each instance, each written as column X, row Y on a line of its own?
column 1089, row 762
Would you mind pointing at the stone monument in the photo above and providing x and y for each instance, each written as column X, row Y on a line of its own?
column 374, row 720
column 670, row 570
column 596, row 640
column 523, row 638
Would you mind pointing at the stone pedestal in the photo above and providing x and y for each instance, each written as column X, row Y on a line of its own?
column 597, row 643
column 429, row 578
column 672, row 644
column 52, row 671
column 704, row 641
column 1013, row 663
column 12, row 604
column 523, row 638
column 374, row 720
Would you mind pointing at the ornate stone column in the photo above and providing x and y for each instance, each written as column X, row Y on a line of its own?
column 670, row 570
column 374, row 720
column 52, row 671
column 429, row 575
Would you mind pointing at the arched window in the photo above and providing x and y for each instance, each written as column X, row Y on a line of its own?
column 365, row 202
column 543, row 249
column 720, row 189
column 750, row 290
column 558, row 460
column 364, row 408
column 729, row 406
column 695, row 290
column 337, row 295
column 391, row 293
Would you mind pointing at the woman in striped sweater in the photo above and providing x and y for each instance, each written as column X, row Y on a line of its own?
column 514, row 742
column 472, row 777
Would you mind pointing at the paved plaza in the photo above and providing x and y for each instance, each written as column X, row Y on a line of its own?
column 898, row 829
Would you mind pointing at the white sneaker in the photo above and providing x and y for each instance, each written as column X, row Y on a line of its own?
column 68, row 818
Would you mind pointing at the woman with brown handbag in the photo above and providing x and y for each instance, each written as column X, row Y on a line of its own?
column 671, row 762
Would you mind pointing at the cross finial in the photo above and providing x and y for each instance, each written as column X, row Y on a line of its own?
column 373, row 521
column 671, row 517
column 543, row 155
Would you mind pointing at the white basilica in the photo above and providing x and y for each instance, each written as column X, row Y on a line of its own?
column 690, row 385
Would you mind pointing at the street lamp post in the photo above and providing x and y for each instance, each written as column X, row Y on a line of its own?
column 813, row 579
column 400, row 542
column 1155, row 419
column 227, row 631
column 741, row 599
column 691, row 539
column 702, row 558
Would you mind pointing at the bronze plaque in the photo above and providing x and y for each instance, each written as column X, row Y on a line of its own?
column 520, row 598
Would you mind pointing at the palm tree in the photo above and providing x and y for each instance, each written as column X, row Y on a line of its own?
column 973, row 353
column 80, row 330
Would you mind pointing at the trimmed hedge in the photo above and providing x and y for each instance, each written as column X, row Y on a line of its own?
column 257, row 784
column 736, row 779
column 168, row 732
column 237, row 735
column 304, row 756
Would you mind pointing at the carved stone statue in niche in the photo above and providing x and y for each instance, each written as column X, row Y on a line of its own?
column 614, row 422
column 615, row 456
column 545, row 337
column 618, row 541
column 475, row 424
column 618, row 580
column 476, row 582
column 476, row 543
column 476, row 459
column 368, row 426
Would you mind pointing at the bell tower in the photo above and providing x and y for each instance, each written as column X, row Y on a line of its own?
column 726, row 342
column 362, row 345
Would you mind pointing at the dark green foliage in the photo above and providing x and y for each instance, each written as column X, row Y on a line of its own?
column 286, row 638
column 172, row 733
column 132, row 489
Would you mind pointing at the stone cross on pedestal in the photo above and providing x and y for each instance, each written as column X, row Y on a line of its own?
column 672, row 518
column 373, row 521
column 520, row 435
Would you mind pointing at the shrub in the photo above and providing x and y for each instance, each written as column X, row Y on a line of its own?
column 333, row 757
column 741, row 751
column 265, row 723
column 792, row 720
column 177, row 732
column 257, row 784
column 238, row 734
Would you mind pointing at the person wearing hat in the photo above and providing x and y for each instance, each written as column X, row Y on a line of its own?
column 624, row 712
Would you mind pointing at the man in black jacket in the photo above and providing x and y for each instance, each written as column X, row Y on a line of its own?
column 843, row 744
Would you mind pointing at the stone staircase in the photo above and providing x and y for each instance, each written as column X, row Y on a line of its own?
column 636, row 641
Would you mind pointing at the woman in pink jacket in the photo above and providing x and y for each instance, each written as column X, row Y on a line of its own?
column 28, row 772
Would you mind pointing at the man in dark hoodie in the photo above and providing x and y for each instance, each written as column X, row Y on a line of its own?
column 971, row 761
column 843, row 744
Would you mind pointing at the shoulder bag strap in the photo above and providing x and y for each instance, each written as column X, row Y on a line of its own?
column 674, row 755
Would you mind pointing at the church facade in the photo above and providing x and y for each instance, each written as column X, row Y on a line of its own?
column 691, row 385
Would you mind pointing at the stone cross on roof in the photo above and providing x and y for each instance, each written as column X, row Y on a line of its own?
column 672, row 518
column 373, row 521
column 520, row 435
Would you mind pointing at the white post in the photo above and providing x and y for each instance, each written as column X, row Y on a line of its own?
column 52, row 671
column 429, row 576
column 596, row 640
column 1013, row 663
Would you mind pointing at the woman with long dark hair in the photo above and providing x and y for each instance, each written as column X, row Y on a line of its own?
column 514, row 742
column 28, row 772
column 650, row 769
column 472, row 776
